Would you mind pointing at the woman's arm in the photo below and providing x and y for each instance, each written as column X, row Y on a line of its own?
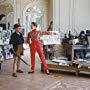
column 47, row 33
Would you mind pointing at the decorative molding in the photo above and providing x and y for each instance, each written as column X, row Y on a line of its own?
column 5, row 9
column 56, row 15
column 2, row 1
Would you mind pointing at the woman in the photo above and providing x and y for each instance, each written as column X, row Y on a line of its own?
column 35, row 46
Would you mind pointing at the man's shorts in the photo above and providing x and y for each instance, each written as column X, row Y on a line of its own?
column 19, row 50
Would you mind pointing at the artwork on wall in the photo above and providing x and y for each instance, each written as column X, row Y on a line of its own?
column 1, row 54
column 4, row 45
column 1, row 36
column 5, row 37
column 8, row 54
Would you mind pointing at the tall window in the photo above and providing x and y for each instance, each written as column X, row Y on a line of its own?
column 33, row 14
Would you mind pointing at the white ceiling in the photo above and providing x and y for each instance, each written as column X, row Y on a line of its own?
column 4, row 2
column 6, row 6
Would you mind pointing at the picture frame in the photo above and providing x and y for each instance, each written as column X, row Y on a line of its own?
column 8, row 54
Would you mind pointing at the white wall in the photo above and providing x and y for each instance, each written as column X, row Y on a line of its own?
column 82, row 14
column 50, row 13
column 65, row 19
column 56, row 14
column 74, row 15
column 10, row 19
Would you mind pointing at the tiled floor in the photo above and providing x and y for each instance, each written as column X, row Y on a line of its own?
column 39, row 81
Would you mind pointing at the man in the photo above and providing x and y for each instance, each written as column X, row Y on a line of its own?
column 16, row 43
column 35, row 46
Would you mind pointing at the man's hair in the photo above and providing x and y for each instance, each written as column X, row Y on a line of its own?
column 34, row 23
column 16, row 26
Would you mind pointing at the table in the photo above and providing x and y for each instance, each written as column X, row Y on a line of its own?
column 78, row 47
column 53, row 65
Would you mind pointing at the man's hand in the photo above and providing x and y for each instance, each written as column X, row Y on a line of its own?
column 11, row 46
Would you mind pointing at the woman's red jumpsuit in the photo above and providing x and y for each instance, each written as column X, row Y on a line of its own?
column 35, row 46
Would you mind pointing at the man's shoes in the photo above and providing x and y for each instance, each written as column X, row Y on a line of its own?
column 32, row 71
column 47, row 72
column 14, row 75
column 19, row 71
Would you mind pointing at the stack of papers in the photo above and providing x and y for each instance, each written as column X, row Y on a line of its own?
column 61, row 62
